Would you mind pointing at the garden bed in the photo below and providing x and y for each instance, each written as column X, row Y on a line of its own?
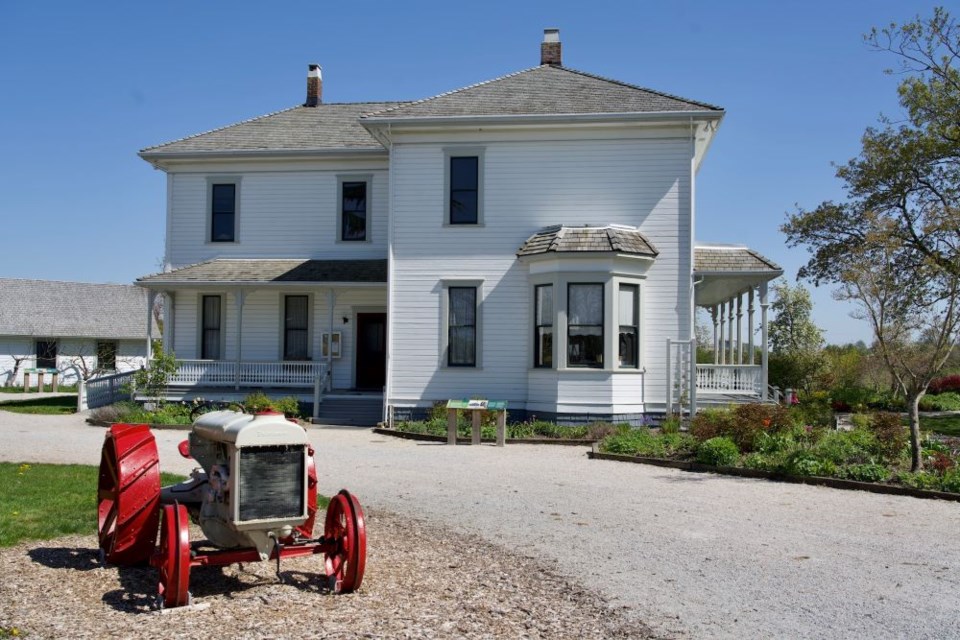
column 429, row 437
column 836, row 483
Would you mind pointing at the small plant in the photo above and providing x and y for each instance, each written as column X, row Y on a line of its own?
column 865, row 472
column 860, row 420
column 153, row 380
column 951, row 480
column 670, row 424
column 921, row 480
column 890, row 434
column 719, row 452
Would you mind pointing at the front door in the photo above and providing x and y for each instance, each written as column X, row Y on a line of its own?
column 371, row 350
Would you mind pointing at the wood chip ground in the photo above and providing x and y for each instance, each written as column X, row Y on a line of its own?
column 421, row 582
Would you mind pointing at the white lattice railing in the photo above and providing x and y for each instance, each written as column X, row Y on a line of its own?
column 729, row 378
column 222, row 373
column 104, row 390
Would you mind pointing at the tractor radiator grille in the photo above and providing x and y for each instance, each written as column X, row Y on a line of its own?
column 271, row 482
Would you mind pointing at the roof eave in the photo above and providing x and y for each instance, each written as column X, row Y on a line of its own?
column 157, row 284
column 774, row 273
column 552, row 118
column 155, row 157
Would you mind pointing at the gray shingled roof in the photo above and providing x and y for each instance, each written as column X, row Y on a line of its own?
column 227, row 271
column 731, row 260
column 321, row 128
column 544, row 90
column 567, row 239
column 48, row 309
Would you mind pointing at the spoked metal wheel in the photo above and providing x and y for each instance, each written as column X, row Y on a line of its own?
column 346, row 528
column 128, row 494
column 173, row 556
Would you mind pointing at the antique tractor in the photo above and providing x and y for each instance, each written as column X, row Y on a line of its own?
column 255, row 499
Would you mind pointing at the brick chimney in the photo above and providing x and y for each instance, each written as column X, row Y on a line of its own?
column 314, row 86
column 550, row 47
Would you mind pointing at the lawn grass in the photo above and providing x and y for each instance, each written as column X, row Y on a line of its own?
column 945, row 425
column 57, row 405
column 44, row 501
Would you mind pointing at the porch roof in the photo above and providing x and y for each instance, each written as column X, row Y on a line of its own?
column 588, row 239
column 233, row 271
column 724, row 271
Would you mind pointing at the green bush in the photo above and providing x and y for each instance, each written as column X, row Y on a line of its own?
column 710, row 423
column 814, row 409
column 951, row 480
column 858, row 446
column 258, row 401
column 640, row 441
column 764, row 461
column 865, row 472
column 860, row 420
column 719, row 452
column 921, row 480
column 890, row 434
column 670, row 424
column 805, row 463
column 946, row 401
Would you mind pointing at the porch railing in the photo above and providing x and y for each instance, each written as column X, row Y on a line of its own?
column 225, row 373
column 729, row 378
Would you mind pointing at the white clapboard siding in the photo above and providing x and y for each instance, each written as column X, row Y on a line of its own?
column 280, row 215
column 527, row 186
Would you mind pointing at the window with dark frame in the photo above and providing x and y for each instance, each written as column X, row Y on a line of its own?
column 462, row 327
column 295, row 327
column 46, row 354
column 106, row 355
column 629, row 325
column 353, row 211
column 210, row 331
column 585, row 325
column 543, row 326
column 223, row 213
column 464, row 189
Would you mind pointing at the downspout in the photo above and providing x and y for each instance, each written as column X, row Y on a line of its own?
column 386, row 416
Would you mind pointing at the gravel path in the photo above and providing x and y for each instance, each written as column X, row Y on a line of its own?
column 697, row 554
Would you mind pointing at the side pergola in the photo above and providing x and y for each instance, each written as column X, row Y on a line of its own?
column 729, row 282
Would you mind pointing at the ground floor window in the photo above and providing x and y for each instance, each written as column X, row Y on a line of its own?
column 296, row 315
column 106, row 355
column 585, row 325
column 211, row 323
column 462, row 327
column 543, row 326
column 46, row 353
column 629, row 326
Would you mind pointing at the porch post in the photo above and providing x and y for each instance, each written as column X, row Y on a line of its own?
column 331, row 300
column 763, row 341
column 730, row 359
column 750, row 325
column 739, row 328
column 151, row 299
column 240, row 299
column 713, row 314
column 169, row 313
column 722, row 351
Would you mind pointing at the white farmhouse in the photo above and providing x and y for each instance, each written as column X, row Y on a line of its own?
column 78, row 328
column 528, row 239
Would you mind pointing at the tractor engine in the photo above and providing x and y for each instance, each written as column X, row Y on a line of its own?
column 253, row 489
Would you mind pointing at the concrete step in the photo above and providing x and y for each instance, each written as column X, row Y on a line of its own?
column 360, row 411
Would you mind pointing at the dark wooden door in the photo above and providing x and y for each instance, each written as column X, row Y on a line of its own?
column 371, row 350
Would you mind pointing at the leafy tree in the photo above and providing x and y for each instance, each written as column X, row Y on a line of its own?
column 153, row 380
column 894, row 245
column 795, row 341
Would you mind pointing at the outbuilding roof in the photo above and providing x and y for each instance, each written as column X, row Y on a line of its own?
column 587, row 239
column 321, row 128
column 544, row 90
column 252, row 271
column 50, row 309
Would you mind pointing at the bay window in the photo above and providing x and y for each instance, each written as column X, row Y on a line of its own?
column 585, row 325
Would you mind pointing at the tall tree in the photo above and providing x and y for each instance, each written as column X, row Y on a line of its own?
column 795, row 341
column 894, row 245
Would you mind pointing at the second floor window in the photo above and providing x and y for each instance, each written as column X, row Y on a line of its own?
column 464, row 189
column 223, row 213
column 353, row 211
column 585, row 325
column 296, row 313
column 210, row 328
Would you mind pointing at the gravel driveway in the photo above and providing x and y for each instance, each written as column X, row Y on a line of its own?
column 697, row 554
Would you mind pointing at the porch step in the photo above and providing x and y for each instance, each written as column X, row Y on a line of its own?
column 361, row 411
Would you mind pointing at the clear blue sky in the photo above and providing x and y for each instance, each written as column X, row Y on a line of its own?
column 88, row 84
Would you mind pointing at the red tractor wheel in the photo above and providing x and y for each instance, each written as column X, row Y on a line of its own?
column 128, row 494
column 345, row 526
column 173, row 556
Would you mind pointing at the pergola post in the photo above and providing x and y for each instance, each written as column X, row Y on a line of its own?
column 739, row 329
column 169, row 313
column 764, row 360
column 151, row 299
column 750, row 325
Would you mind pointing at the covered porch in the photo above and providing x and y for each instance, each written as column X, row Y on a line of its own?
column 731, row 282
column 298, row 327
